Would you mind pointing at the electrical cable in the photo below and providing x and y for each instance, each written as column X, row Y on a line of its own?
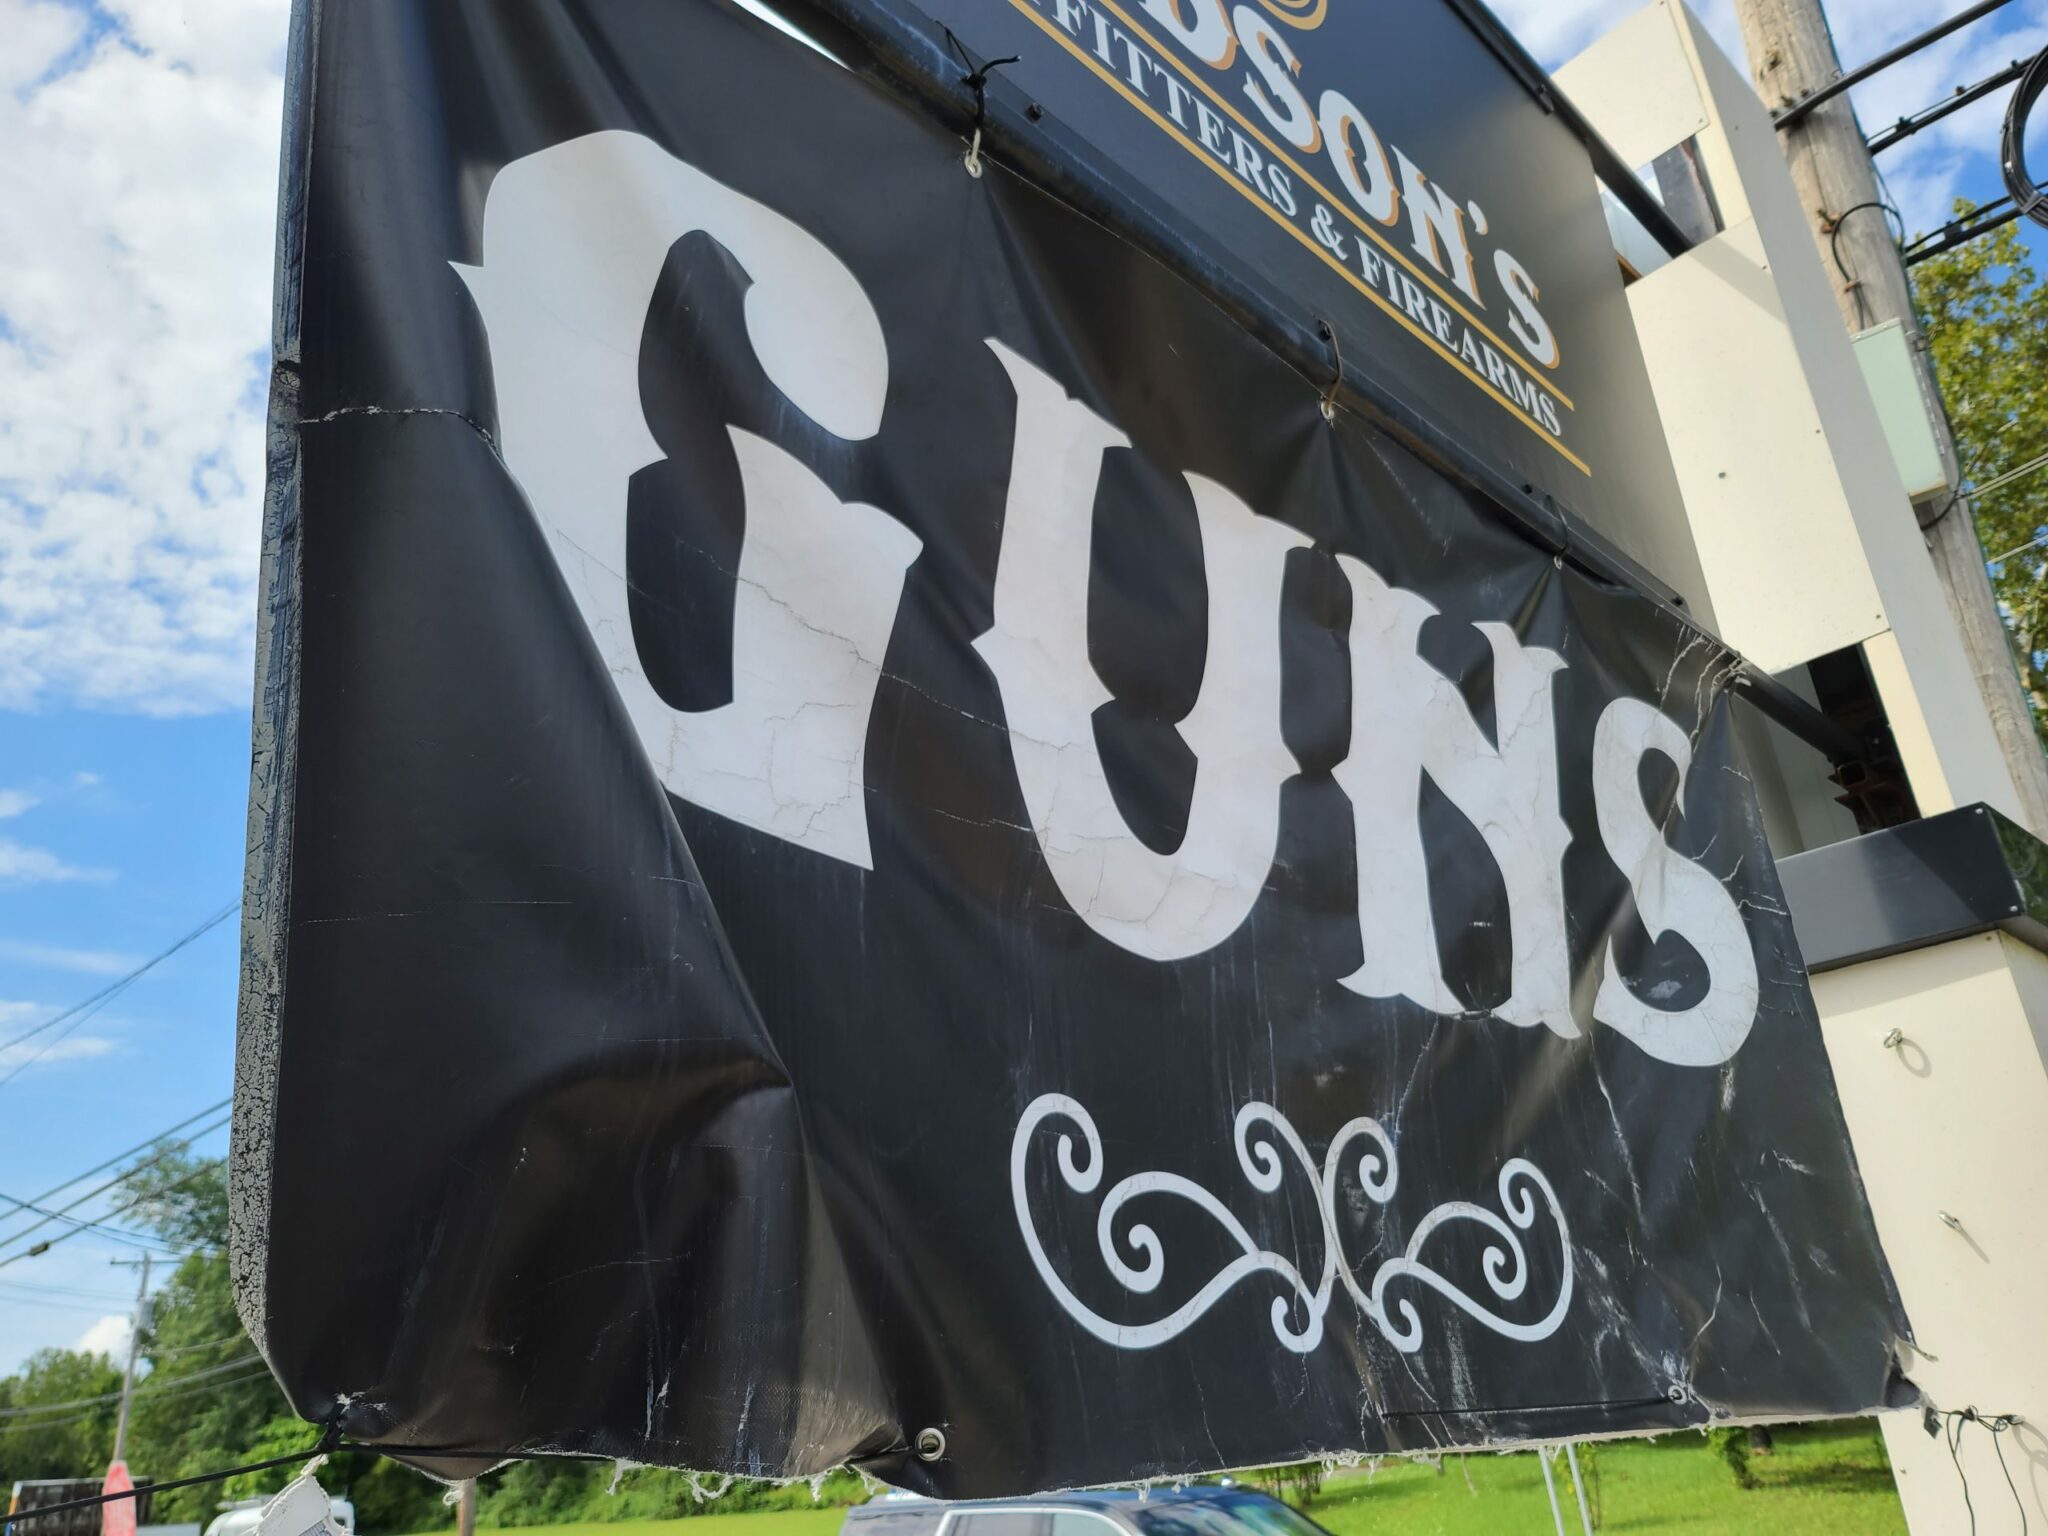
column 60, row 1213
column 114, row 988
column 55, row 1040
column 2012, row 146
column 249, row 1373
column 1978, row 221
column 165, row 1393
column 1955, row 101
column 193, row 1349
column 141, row 1241
column 30, row 1409
column 1991, row 485
column 30, row 1287
column 329, row 1441
column 1791, row 114
column 48, row 1305
column 141, row 1146
column 2011, row 475
column 1949, row 1425
column 136, row 1239
column 1952, row 1432
column 1998, row 1449
column 1835, row 247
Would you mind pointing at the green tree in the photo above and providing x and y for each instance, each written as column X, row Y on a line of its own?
column 55, row 1417
column 211, row 1402
column 1986, row 320
column 205, row 1400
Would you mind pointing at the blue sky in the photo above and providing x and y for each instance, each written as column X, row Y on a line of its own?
column 144, row 818
column 138, row 150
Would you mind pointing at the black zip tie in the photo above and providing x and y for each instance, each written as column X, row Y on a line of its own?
column 977, row 82
column 1329, row 400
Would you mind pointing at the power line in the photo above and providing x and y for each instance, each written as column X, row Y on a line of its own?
column 170, row 1389
column 60, row 1213
column 329, row 1440
column 141, row 1146
column 55, row 1040
column 30, row 1288
column 1980, row 220
column 1962, row 97
column 1912, row 45
column 114, row 988
column 55, row 1306
column 114, row 1397
column 2010, row 475
column 139, row 1240
column 193, row 1349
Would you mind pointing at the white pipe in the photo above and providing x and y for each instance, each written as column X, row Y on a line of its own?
column 1571, row 1454
column 1550, row 1487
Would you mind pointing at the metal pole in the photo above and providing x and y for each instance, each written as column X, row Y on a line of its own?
column 465, row 1508
column 1793, row 56
column 1550, row 1487
column 1571, row 1454
column 134, row 1351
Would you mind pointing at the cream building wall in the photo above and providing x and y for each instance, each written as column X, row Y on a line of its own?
column 1806, row 537
column 1808, row 545
column 1953, row 1120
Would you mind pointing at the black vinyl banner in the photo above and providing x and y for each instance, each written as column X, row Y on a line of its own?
column 877, row 836
column 1383, row 167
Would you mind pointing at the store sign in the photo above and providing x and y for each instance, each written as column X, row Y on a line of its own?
column 1382, row 168
column 872, row 821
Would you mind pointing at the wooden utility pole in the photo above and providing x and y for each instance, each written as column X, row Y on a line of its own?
column 134, row 1352
column 1792, row 54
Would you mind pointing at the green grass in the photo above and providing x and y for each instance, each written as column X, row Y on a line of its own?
column 1822, row 1480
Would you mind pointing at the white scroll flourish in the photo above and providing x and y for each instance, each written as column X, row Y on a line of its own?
column 1267, row 1146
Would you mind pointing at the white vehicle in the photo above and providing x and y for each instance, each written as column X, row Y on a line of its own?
column 240, row 1517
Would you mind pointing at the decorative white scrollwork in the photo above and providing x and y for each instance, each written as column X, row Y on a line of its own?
column 1136, row 1258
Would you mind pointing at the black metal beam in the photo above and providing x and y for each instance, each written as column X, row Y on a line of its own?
column 1780, row 705
column 1855, row 77
column 1615, row 174
column 1927, row 882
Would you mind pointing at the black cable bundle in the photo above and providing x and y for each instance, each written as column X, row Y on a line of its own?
column 2027, row 197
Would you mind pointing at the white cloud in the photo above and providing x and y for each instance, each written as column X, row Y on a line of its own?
column 14, row 801
column 140, row 188
column 108, row 1336
column 139, row 184
column 22, row 865
column 50, row 1053
column 55, row 957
